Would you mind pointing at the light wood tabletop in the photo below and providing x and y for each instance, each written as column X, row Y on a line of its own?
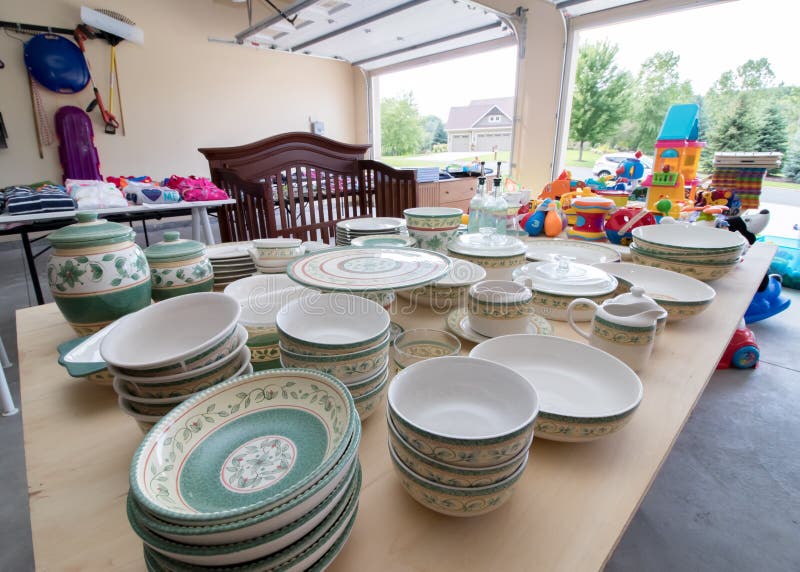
column 568, row 512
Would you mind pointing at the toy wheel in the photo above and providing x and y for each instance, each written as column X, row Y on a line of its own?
column 603, row 173
column 745, row 357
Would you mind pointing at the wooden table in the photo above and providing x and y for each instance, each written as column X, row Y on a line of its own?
column 570, row 508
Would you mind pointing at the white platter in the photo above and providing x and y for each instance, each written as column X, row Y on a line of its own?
column 229, row 250
column 582, row 252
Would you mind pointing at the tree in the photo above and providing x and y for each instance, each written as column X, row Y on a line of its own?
column 434, row 131
column 737, row 130
column 601, row 98
column 771, row 134
column 658, row 86
column 755, row 74
column 401, row 132
column 791, row 166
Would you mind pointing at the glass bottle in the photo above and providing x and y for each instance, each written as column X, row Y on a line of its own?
column 499, row 209
column 476, row 207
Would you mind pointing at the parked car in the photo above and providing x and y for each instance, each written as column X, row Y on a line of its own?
column 607, row 164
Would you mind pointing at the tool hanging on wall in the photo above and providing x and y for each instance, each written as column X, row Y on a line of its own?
column 83, row 33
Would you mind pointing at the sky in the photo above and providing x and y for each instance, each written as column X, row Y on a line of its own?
column 709, row 41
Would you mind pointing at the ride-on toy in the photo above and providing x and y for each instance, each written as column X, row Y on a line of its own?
column 742, row 351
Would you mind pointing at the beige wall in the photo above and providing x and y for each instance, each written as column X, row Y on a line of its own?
column 180, row 92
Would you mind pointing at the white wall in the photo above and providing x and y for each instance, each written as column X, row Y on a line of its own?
column 180, row 92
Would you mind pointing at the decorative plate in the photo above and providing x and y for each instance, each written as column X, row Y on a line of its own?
column 229, row 250
column 458, row 323
column 370, row 224
column 243, row 446
column 350, row 269
column 583, row 252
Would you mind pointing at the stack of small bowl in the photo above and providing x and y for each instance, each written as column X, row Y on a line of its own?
column 167, row 352
column 701, row 252
column 257, row 473
column 342, row 335
column 459, row 432
column 273, row 255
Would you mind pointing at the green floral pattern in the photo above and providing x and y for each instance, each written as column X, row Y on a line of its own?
column 574, row 431
column 258, row 464
column 182, row 275
column 492, row 261
column 97, row 273
column 436, row 241
column 499, row 311
column 704, row 273
column 432, row 222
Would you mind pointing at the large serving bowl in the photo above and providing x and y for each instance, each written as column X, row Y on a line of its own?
column 293, row 544
column 333, row 482
column 680, row 295
column 351, row 367
column 694, row 258
column 497, row 255
column 243, row 447
column 556, row 284
column 329, row 324
column 261, row 297
column 176, row 335
column 449, row 291
column 449, row 475
column 585, row 392
column 433, row 227
column 704, row 272
column 463, row 411
column 688, row 239
column 456, row 501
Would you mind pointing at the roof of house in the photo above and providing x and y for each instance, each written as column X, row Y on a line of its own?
column 466, row 116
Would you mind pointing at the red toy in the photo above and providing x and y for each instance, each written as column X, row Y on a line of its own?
column 742, row 351
column 619, row 219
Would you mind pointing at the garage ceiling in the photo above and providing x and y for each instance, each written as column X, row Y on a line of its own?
column 573, row 8
column 376, row 34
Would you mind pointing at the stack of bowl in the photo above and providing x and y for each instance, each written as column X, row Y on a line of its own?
column 701, row 252
column 341, row 335
column 257, row 473
column 261, row 297
column 347, row 230
column 433, row 227
column 459, row 432
column 167, row 352
column 230, row 261
column 273, row 255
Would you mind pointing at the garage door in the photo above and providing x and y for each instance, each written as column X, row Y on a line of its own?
column 492, row 141
column 459, row 143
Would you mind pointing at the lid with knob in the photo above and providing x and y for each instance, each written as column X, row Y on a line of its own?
column 173, row 247
column 90, row 231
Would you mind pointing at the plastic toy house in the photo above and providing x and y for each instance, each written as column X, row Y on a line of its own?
column 677, row 157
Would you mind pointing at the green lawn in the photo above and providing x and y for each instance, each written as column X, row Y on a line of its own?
column 782, row 184
column 589, row 158
column 442, row 160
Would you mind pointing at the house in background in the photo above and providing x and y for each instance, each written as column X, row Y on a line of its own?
column 483, row 125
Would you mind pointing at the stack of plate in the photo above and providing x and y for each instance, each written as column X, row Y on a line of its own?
column 257, row 473
column 701, row 252
column 230, row 261
column 162, row 355
column 342, row 335
column 347, row 230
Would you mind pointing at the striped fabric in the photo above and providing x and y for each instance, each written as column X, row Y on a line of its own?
column 745, row 181
column 45, row 199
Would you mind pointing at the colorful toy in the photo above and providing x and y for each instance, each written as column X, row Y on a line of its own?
column 677, row 158
column 742, row 351
column 533, row 222
column 768, row 300
column 553, row 221
column 567, row 200
column 632, row 169
column 591, row 213
column 559, row 187
column 620, row 224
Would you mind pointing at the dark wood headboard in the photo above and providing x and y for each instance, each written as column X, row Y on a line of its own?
column 301, row 184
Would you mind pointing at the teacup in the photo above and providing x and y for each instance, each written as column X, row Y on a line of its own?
column 499, row 307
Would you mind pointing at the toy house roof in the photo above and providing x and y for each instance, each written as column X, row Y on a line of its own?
column 681, row 123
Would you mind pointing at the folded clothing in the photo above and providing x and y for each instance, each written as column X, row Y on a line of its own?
column 196, row 188
column 91, row 194
column 143, row 193
column 21, row 199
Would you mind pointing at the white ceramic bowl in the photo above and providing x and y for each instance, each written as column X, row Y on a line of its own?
column 346, row 367
column 331, row 323
column 463, row 411
column 689, row 238
column 368, row 403
column 178, row 334
column 585, row 393
column 704, row 272
column 680, row 295
column 499, row 307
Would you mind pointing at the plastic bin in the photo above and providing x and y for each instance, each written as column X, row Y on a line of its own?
column 787, row 259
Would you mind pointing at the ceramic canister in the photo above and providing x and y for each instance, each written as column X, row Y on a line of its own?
column 97, row 273
column 179, row 266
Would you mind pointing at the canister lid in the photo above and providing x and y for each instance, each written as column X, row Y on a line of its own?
column 173, row 247
column 90, row 231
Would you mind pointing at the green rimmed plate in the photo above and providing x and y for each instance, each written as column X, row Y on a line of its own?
column 243, row 447
column 458, row 323
column 390, row 240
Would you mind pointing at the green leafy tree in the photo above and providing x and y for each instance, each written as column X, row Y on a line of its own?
column 434, row 131
column 791, row 165
column 737, row 130
column 771, row 134
column 601, row 99
column 755, row 74
column 401, row 130
column 658, row 86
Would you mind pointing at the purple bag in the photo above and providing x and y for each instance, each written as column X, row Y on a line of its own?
column 76, row 150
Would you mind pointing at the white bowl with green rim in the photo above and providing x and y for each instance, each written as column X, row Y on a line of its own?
column 451, row 476
column 680, row 295
column 499, row 307
column 367, row 403
column 463, row 411
column 203, row 464
column 268, row 522
column 325, row 324
column 499, row 255
column 156, row 393
column 585, row 392
column 703, row 258
column 145, row 422
column 380, row 240
column 281, row 548
column 456, row 501
column 172, row 336
column 346, row 367
column 311, row 554
column 704, row 272
column 678, row 238
column 449, row 291
column 362, row 387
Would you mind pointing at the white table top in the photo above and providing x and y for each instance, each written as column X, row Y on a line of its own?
column 39, row 217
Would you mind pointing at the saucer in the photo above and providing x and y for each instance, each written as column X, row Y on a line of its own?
column 458, row 323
